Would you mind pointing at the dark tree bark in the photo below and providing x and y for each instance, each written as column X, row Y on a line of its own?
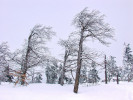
column 106, row 80
column 63, row 69
column 79, row 63
column 117, row 78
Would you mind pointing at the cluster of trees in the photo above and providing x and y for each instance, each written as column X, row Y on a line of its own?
column 120, row 73
column 79, row 64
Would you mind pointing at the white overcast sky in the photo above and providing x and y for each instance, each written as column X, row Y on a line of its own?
column 17, row 17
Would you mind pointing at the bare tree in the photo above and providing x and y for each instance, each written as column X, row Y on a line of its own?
column 70, row 47
column 90, row 24
column 35, row 50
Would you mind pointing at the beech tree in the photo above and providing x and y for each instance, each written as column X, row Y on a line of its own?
column 70, row 46
column 90, row 24
column 34, row 52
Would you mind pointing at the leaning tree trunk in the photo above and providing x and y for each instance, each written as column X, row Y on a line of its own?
column 79, row 63
column 25, row 66
column 63, row 69
column 24, row 69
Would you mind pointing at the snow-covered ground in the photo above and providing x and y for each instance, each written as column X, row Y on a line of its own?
column 111, row 91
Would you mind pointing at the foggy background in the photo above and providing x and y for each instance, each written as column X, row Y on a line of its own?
column 18, row 17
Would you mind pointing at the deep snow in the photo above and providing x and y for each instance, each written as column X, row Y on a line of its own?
column 42, row 91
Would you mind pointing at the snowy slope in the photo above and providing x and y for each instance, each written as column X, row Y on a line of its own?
column 112, row 91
